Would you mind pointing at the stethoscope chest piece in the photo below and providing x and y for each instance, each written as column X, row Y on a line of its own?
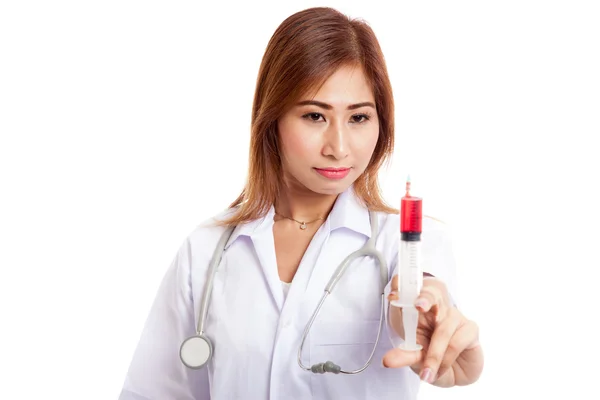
column 195, row 351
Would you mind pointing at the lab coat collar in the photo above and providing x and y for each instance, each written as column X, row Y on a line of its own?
column 348, row 212
column 249, row 229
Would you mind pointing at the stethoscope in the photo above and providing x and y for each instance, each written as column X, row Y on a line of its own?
column 196, row 351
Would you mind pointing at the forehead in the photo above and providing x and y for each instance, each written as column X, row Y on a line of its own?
column 347, row 85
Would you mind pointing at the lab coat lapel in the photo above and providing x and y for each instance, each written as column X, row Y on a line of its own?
column 316, row 266
column 326, row 251
column 308, row 265
column 260, row 232
column 264, row 245
column 348, row 216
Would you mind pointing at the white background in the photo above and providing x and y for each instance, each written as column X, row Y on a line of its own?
column 124, row 124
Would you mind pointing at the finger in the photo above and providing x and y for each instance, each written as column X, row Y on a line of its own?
column 466, row 337
column 431, row 299
column 394, row 289
column 440, row 286
column 440, row 339
column 398, row 358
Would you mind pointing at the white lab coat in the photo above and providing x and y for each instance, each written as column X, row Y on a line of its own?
column 256, row 330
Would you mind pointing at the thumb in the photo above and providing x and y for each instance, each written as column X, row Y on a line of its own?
column 398, row 358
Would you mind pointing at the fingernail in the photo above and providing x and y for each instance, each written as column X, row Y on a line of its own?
column 421, row 303
column 427, row 375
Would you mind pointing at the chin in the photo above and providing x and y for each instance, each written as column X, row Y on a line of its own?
column 330, row 189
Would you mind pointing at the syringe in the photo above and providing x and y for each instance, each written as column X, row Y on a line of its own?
column 410, row 274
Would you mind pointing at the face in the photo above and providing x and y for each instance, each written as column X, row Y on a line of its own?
column 326, row 141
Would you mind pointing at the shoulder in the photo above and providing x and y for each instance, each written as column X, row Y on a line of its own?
column 389, row 224
column 435, row 231
column 208, row 231
column 198, row 246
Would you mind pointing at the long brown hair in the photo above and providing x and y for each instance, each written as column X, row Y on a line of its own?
column 305, row 50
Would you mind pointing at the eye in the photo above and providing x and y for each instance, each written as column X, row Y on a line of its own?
column 360, row 118
column 355, row 119
column 314, row 117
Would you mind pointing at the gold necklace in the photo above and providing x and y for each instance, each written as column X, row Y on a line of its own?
column 302, row 223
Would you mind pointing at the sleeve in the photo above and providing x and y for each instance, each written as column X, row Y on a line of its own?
column 156, row 371
column 437, row 259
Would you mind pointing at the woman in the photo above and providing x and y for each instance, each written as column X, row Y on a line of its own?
column 322, row 125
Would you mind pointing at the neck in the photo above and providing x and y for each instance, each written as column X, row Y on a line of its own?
column 302, row 204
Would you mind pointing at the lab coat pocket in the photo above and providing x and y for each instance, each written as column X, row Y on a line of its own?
column 347, row 344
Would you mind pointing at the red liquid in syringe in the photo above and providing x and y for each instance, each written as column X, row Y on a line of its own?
column 411, row 216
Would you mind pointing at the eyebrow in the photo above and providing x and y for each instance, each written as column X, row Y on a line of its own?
column 329, row 107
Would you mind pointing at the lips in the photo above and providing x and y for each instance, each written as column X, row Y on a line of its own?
column 338, row 169
column 333, row 172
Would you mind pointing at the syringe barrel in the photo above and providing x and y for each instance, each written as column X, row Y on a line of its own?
column 411, row 217
column 410, row 273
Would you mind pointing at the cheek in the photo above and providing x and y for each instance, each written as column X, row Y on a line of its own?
column 295, row 144
column 366, row 144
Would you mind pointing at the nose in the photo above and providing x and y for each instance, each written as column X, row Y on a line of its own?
column 336, row 141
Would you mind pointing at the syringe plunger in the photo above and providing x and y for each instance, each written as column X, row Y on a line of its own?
column 410, row 320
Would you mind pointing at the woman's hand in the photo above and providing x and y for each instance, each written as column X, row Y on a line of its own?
column 451, row 353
